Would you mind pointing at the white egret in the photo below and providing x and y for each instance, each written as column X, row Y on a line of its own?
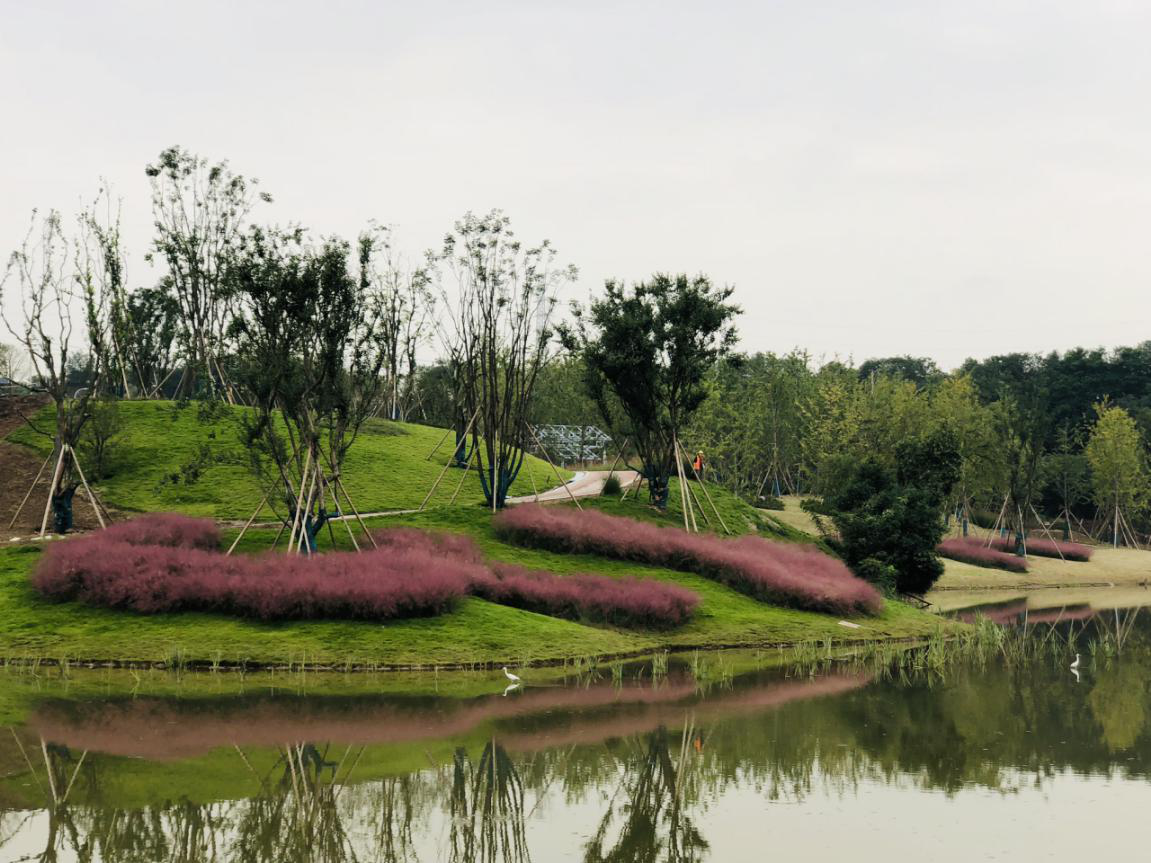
column 1075, row 664
column 512, row 677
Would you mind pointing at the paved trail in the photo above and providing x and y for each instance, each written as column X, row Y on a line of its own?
column 588, row 483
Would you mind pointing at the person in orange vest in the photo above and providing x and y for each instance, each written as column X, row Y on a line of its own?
column 697, row 465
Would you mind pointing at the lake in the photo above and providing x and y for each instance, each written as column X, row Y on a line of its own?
column 773, row 754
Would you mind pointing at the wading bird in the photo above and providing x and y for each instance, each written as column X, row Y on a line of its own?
column 512, row 677
column 1074, row 665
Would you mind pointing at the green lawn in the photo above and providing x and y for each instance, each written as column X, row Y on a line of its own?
column 163, row 443
column 387, row 470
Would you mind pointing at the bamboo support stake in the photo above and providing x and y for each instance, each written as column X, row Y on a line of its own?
column 707, row 494
column 247, row 525
column 440, row 478
column 340, row 484
column 304, row 508
column 682, row 490
column 555, row 470
column 87, row 488
column 347, row 526
column 1047, row 531
column 52, row 489
column 303, row 541
column 428, row 457
column 463, row 476
column 31, row 488
column 299, row 497
column 686, row 486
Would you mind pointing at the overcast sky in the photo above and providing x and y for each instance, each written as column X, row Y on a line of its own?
column 944, row 179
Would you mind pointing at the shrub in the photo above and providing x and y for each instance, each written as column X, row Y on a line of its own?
column 619, row 601
column 611, row 486
column 892, row 514
column 167, row 529
column 790, row 575
column 973, row 551
column 1046, row 548
column 771, row 502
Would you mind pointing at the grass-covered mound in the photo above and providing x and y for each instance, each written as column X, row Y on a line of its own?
column 169, row 457
column 973, row 551
column 795, row 576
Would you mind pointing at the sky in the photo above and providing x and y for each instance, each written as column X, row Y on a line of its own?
column 874, row 179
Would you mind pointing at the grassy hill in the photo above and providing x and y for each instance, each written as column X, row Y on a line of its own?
column 168, row 457
column 387, row 470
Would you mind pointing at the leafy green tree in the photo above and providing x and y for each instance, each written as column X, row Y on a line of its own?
column 1118, row 467
column 921, row 371
column 651, row 348
column 888, row 518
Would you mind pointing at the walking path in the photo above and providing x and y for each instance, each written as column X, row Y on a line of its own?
column 587, row 483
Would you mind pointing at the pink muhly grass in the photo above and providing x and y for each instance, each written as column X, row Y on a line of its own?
column 784, row 574
column 168, row 529
column 618, row 601
column 453, row 545
column 1046, row 548
column 973, row 551
column 372, row 585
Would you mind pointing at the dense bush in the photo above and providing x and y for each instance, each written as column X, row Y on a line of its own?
column 619, row 601
column 611, row 486
column 791, row 575
column 891, row 513
column 1046, row 548
column 167, row 529
column 973, row 551
column 107, row 569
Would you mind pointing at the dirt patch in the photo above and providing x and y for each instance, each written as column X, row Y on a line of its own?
column 18, row 467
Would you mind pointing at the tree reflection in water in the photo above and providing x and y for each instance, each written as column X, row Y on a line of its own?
column 487, row 808
column 650, row 805
column 631, row 774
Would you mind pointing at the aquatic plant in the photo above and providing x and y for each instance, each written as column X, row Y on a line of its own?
column 792, row 575
column 619, row 601
column 973, row 551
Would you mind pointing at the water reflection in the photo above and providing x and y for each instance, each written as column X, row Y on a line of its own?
column 591, row 769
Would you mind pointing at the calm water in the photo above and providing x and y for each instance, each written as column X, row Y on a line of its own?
column 728, row 757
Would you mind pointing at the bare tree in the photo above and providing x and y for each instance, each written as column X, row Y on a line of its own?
column 497, row 335
column 406, row 318
column 51, row 282
column 199, row 211
column 13, row 364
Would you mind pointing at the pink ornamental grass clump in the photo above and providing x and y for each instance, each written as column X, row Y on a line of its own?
column 379, row 584
column 783, row 574
column 167, row 529
column 1046, row 548
column 973, row 551
column 595, row 598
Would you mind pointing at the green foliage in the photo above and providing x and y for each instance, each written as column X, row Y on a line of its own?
column 99, row 437
column 891, row 516
column 650, row 349
column 611, row 486
column 1118, row 466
